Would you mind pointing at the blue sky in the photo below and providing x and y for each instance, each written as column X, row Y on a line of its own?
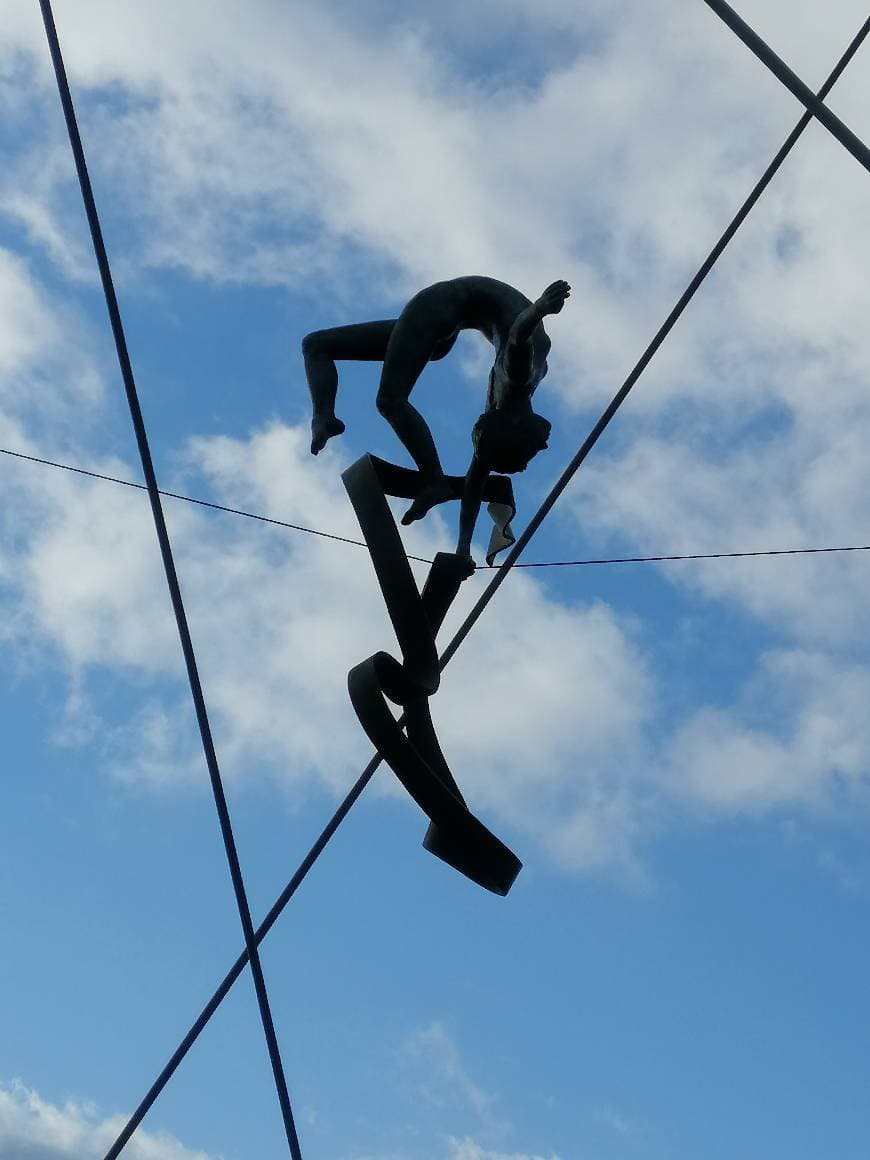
column 678, row 753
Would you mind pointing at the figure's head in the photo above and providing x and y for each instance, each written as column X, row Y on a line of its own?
column 507, row 440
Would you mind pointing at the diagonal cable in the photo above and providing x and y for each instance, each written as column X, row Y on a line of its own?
column 792, row 81
column 367, row 774
column 171, row 578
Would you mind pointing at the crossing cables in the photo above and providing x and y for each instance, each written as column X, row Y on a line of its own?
column 509, row 562
column 171, row 578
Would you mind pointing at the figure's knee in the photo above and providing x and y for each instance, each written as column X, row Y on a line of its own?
column 315, row 345
column 388, row 405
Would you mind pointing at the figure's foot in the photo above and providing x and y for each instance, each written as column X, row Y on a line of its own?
column 432, row 494
column 323, row 429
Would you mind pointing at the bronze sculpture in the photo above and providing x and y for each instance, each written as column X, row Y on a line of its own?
column 505, row 438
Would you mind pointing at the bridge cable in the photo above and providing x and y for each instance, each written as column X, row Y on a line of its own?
column 661, row 558
column 171, row 578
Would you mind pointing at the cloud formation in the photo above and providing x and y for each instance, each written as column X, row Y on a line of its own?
column 299, row 147
column 467, row 1149
column 270, row 614
column 314, row 151
column 32, row 1128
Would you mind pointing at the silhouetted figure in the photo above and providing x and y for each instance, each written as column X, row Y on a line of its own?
column 506, row 436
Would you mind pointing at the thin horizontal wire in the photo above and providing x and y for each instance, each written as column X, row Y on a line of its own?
column 422, row 559
column 695, row 556
column 191, row 499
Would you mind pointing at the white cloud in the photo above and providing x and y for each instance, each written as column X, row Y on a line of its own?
column 447, row 1086
column 31, row 1128
column 541, row 691
column 294, row 147
column 32, row 200
column 614, row 1120
column 279, row 617
column 803, row 488
column 288, row 146
column 468, row 1149
column 465, row 1148
column 347, row 156
column 545, row 710
column 799, row 739
column 447, row 1079
column 46, row 368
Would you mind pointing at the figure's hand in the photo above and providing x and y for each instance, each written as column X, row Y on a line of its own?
column 468, row 566
column 553, row 298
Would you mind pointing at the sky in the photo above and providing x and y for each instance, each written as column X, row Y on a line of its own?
column 678, row 752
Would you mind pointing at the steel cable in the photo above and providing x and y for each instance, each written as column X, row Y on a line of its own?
column 661, row 558
column 790, row 80
column 171, row 577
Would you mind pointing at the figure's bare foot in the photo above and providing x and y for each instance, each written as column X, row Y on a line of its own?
column 323, row 429
column 432, row 494
column 553, row 298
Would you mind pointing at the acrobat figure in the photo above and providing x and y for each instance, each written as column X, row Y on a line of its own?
column 507, row 435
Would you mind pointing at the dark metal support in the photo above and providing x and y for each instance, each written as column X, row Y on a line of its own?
column 792, row 81
column 171, row 574
column 455, row 834
column 368, row 773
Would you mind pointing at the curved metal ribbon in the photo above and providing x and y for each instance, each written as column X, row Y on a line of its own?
column 455, row 835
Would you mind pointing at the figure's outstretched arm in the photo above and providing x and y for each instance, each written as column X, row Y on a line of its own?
column 472, row 497
column 518, row 355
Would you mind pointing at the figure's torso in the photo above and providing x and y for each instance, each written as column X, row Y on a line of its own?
column 487, row 305
column 475, row 302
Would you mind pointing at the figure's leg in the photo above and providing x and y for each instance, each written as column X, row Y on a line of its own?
column 472, row 498
column 425, row 329
column 365, row 341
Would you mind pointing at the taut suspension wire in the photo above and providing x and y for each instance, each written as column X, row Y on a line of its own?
column 219, row 507
column 659, row 559
column 369, row 771
column 171, row 577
